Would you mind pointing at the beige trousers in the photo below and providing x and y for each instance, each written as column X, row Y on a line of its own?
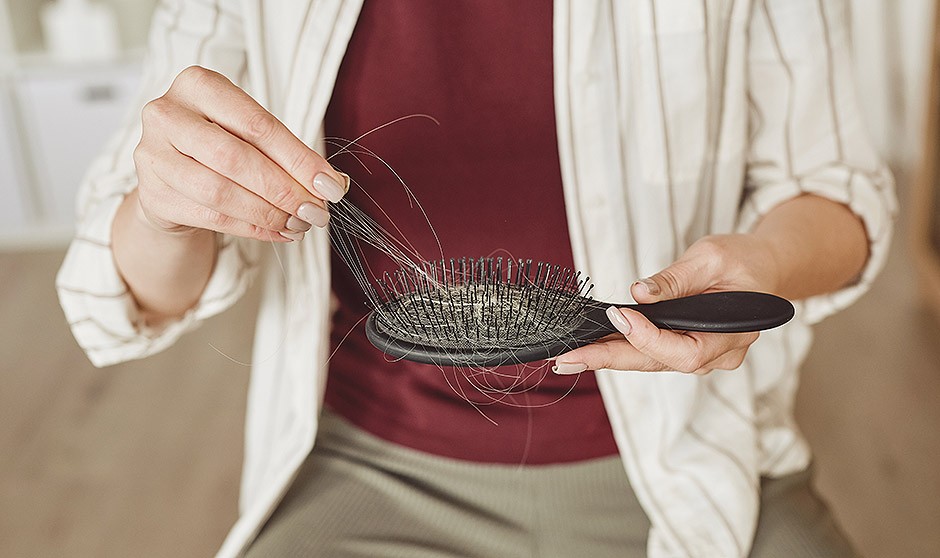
column 360, row 496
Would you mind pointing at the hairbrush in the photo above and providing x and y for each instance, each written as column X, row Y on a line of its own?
column 490, row 312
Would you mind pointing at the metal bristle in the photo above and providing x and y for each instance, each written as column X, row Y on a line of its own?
column 481, row 302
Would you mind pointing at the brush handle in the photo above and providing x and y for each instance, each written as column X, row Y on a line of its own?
column 721, row 312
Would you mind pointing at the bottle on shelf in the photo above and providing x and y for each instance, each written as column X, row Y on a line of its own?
column 80, row 31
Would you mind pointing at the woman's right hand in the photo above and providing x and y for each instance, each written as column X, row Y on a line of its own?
column 210, row 157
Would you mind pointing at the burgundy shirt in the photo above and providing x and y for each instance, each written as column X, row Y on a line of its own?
column 488, row 178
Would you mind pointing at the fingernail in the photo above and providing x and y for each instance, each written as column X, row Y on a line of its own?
column 620, row 322
column 328, row 188
column 564, row 368
column 297, row 225
column 346, row 180
column 292, row 235
column 313, row 214
column 650, row 286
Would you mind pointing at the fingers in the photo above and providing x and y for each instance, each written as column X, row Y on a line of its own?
column 728, row 361
column 713, row 263
column 207, row 188
column 695, row 272
column 611, row 354
column 685, row 352
column 160, row 199
column 229, row 156
column 220, row 161
column 213, row 95
column 646, row 347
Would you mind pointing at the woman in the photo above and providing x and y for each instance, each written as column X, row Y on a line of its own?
column 699, row 146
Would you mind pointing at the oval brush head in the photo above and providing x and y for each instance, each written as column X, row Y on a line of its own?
column 487, row 312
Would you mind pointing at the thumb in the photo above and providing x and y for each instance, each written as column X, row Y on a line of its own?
column 685, row 277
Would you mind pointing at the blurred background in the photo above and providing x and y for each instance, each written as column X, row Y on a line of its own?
column 143, row 459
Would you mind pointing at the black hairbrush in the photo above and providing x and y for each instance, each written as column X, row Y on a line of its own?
column 487, row 312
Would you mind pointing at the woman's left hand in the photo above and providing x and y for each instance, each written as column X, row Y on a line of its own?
column 715, row 263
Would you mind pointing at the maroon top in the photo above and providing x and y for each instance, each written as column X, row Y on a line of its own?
column 488, row 177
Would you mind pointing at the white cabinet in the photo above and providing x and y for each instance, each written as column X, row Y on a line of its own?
column 15, row 209
column 55, row 118
column 67, row 118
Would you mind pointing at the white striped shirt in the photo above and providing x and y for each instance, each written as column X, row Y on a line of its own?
column 675, row 119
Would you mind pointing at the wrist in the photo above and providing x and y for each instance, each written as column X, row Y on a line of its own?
column 768, row 262
column 165, row 271
column 820, row 245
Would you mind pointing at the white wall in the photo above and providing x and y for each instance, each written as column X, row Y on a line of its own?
column 892, row 40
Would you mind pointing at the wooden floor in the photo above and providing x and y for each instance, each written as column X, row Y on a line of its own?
column 137, row 460
column 142, row 459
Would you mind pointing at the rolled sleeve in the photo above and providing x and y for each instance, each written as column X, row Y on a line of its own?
column 807, row 135
column 100, row 310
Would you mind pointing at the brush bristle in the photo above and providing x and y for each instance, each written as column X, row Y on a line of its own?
column 486, row 302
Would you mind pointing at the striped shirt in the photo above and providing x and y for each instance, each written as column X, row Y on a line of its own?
column 675, row 119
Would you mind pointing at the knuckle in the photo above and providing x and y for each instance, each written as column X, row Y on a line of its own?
column 737, row 360
column 606, row 357
column 669, row 281
column 192, row 77
column 714, row 255
column 639, row 341
column 258, row 233
column 282, row 197
column 215, row 219
column 648, row 340
column 710, row 248
column 215, row 192
column 228, row 157
column 729, row 361
column 260, row 126
column 154, row 112
column 140, row 156
column 304, row 165
column 274, row 219
column 691, row 363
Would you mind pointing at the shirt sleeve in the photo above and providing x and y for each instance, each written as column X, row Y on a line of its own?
column 99, row 308
column 807, row 134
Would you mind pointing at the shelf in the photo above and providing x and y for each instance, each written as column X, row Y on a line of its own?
column 41, row 61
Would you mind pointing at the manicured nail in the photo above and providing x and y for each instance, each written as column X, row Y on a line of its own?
column 292, row 235
column 564, row 368
column 313, row 214
column 650, row 286
column 297, row 225
column 346, row 180
column 616, row 317
column 328, row 188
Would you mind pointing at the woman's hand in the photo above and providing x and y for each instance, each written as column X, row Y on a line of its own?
column 211, row 160
column 715, row 263
column 210, row 157
column 803, row 247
